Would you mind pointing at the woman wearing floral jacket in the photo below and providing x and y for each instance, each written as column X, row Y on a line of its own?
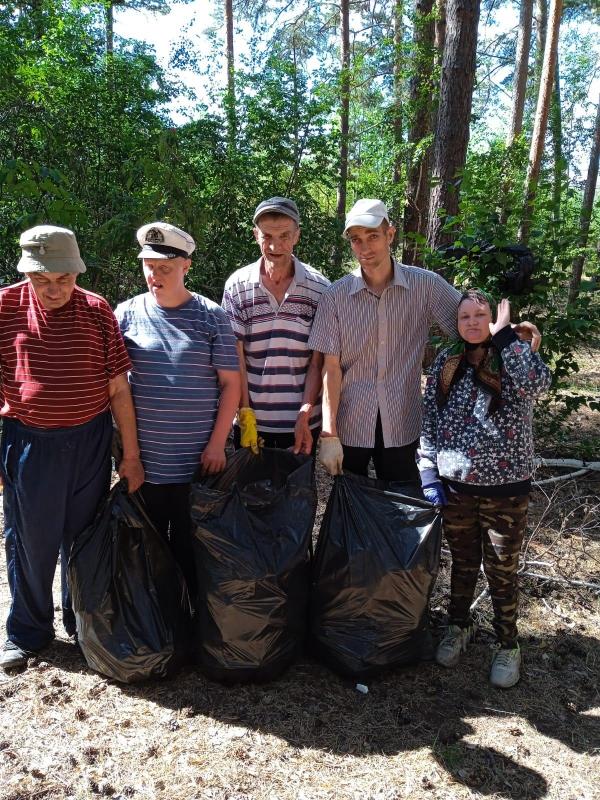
column 475, row 459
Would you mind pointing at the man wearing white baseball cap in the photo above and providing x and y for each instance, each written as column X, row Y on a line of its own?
column 372, row 327
column 271, row 304
column 63, row 369
column 185, row 382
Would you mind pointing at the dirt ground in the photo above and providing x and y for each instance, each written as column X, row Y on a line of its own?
column 420, row 732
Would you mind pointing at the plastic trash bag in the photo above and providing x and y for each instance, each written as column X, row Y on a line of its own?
column 376, row 561
column 512, row 264
column 129, row 597
column 252, row 527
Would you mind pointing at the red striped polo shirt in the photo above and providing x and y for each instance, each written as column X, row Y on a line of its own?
column 56, row 365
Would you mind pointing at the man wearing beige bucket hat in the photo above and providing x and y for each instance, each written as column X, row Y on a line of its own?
column 63, row 370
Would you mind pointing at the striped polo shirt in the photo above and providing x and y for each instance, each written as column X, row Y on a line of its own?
column 275, row 341
column 380, row 343
column 56, row 364
column 175, row 355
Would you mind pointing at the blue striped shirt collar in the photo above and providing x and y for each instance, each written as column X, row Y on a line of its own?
column 359, row 282
column 299, row 272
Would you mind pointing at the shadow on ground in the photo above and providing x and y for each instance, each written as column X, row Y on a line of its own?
column 417, row 707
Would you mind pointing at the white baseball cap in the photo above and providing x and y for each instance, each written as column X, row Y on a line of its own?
column 162, row 240
column 367, row 213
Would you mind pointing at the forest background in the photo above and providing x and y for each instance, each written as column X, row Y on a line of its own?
column 477, row 137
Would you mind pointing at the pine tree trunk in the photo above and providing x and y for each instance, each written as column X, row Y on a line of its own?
column 420, row 103
column 541, row 119
column 440, row 32
column 230, row 59
column 521, row 70
column 397, row 121
column 344, row 127
column 454, row 115
column 109, row 23
column 587, row 207
column 518, row 98
column 559, row 161
column 541, row 28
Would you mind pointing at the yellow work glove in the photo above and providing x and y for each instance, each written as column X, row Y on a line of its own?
column 331, row 454
column 248, row 431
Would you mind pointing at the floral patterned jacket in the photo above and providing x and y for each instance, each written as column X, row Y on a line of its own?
column 461, row 442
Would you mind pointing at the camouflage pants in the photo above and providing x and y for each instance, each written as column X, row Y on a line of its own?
column 491, row 528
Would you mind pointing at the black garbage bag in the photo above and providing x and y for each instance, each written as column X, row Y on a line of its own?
column 252, row 526
column 129, row 597
column 512, row 264
column 375, row 564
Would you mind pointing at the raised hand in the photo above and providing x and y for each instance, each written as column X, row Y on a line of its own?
column 502, row 317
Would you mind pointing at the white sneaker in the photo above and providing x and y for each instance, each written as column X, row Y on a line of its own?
column 453, row 644
column 506, row 668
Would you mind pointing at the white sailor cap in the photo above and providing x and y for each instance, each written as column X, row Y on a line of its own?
column 162, row 240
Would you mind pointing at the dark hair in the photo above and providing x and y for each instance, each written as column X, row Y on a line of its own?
column 477, row 296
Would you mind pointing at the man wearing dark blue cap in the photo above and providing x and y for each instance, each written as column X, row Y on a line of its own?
column 271, row 305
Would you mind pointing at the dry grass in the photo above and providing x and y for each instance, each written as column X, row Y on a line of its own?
column 579, row 435
column 422, row 732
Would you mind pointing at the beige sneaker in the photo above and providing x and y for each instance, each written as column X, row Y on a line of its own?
column 453, row 644
column 506, row 668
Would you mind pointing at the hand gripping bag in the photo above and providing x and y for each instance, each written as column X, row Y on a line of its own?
column 252, row 527
column 129, row 597
column 375, row 565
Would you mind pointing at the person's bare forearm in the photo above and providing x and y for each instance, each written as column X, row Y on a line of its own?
column 121, row 405
column 332, row 386
column 244, row 399
column 228, row 405
column 313, row 383
column 123, row 411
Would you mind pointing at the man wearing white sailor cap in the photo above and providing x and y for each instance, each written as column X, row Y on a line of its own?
column 160, row 240
column 63, row 370
column 184, row 380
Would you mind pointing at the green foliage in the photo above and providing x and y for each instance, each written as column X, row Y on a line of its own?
column 79, row 129
column 86, row 141
column 486, row 188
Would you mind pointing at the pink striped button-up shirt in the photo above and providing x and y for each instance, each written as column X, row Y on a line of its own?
column 380, row 342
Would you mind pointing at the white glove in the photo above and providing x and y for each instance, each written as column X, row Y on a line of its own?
column 331, row 454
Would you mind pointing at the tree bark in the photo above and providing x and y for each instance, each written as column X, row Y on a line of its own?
column 230, row 59
column 454, row 115
column 420, row 104
column 541, row 119
column 398, row 111
column 559, row 161
column 587, row 207
column 518, row 98
column 344, row 126
column 541, row 28
column 109, row 23
column 440, row 31
column 521, row 70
